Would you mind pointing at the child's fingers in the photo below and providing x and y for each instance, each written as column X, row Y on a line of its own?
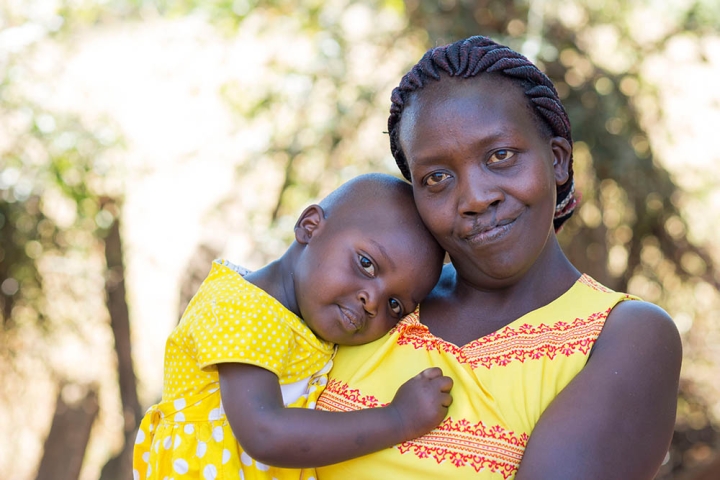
column 446, row 400
column 445, row 383
column 432, row 372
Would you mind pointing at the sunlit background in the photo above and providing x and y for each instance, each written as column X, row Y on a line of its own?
column 140, row 139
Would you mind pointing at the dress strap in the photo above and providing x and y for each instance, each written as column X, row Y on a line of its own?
column 236, row 268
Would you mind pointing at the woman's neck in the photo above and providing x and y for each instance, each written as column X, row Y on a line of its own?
column 461, row 310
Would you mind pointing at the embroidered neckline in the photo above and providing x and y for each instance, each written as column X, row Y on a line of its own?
column 517, row 341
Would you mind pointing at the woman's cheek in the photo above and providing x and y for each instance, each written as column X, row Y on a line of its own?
column 440, row 224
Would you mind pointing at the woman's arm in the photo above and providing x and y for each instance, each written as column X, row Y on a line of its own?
column 615, row 419
column 297, row 437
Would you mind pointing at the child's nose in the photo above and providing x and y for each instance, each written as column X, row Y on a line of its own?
column 368, row 300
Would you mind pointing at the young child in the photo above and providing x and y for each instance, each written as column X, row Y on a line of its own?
column 247, row 348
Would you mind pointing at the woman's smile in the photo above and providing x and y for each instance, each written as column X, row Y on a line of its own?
column 489, row 233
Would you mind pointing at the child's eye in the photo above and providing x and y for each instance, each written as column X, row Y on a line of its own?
column 396, row 307
column 367, row 265
column 501, row 155
column 435, row 178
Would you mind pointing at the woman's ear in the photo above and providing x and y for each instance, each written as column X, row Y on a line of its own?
column 562, row 154
column 310, row 220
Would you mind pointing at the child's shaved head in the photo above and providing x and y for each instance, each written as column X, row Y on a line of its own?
column 374, row 196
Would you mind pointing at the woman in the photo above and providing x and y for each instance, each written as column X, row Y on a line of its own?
column 533, row 345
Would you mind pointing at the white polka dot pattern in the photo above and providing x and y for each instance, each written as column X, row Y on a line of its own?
column 187, row 436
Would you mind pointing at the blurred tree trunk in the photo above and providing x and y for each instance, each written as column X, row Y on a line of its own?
column 69, row 434
column 120, row 467
column 197, row 269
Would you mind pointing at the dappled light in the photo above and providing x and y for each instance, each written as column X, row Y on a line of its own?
column 141, row 139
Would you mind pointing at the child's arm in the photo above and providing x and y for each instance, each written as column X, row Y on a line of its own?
column 300, row 438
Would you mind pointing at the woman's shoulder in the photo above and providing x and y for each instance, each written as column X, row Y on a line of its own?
column 643, row 340
column 628, row 315
column 645, row 321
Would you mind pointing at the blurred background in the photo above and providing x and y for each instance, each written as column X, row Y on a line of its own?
column 140, row 139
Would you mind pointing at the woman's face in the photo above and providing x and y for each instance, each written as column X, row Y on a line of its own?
column 484, row 176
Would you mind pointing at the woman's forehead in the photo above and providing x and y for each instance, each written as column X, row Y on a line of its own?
column 481, row 88
column 465, row 108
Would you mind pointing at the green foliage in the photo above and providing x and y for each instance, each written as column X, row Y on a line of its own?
column 317, row 101
column 51, row 182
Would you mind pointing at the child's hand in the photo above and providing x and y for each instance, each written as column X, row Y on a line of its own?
column 422, row 402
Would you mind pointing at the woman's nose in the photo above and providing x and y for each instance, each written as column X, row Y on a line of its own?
column 478, row 193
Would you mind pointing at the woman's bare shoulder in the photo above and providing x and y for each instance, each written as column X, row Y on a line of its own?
column 642, row 323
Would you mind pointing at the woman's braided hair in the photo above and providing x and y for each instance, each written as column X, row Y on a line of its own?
column 469, row 58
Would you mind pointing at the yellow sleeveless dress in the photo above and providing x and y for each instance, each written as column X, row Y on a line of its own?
column 502, row 384
column 187, row 434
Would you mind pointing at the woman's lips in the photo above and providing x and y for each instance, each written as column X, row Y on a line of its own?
column 483, row 234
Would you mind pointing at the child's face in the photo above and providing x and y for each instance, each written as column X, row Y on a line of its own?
column 487, row 192
column 362, row 272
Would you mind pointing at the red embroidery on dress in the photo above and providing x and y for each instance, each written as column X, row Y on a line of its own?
column 339, row 397
column 592, row 283
column 466, row 444
column 510, row 344
column 459, row 442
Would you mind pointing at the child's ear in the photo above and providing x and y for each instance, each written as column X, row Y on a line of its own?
column 310, row 220
column 562, row 153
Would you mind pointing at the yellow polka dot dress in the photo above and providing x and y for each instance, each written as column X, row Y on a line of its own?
column 187, row 435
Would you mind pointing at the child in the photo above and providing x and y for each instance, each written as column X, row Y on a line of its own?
column 361, row 260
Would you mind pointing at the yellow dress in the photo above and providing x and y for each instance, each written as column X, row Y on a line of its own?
column 502, row 384
column 187, row 435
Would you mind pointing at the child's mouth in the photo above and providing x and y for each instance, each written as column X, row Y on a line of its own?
column 350, row 319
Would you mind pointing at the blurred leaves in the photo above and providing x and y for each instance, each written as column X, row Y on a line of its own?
column 53, row 176
column 50, row 187
column 311, row 107
column 51, row 168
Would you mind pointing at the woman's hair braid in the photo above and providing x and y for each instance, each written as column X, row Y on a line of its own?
column 469, row 58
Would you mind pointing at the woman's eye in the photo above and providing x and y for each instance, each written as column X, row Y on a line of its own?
column 395, row 307
column 501, row 155
column 367, row 265
column 435, row 178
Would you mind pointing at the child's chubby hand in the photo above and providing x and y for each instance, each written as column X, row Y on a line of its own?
column 422, row 402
